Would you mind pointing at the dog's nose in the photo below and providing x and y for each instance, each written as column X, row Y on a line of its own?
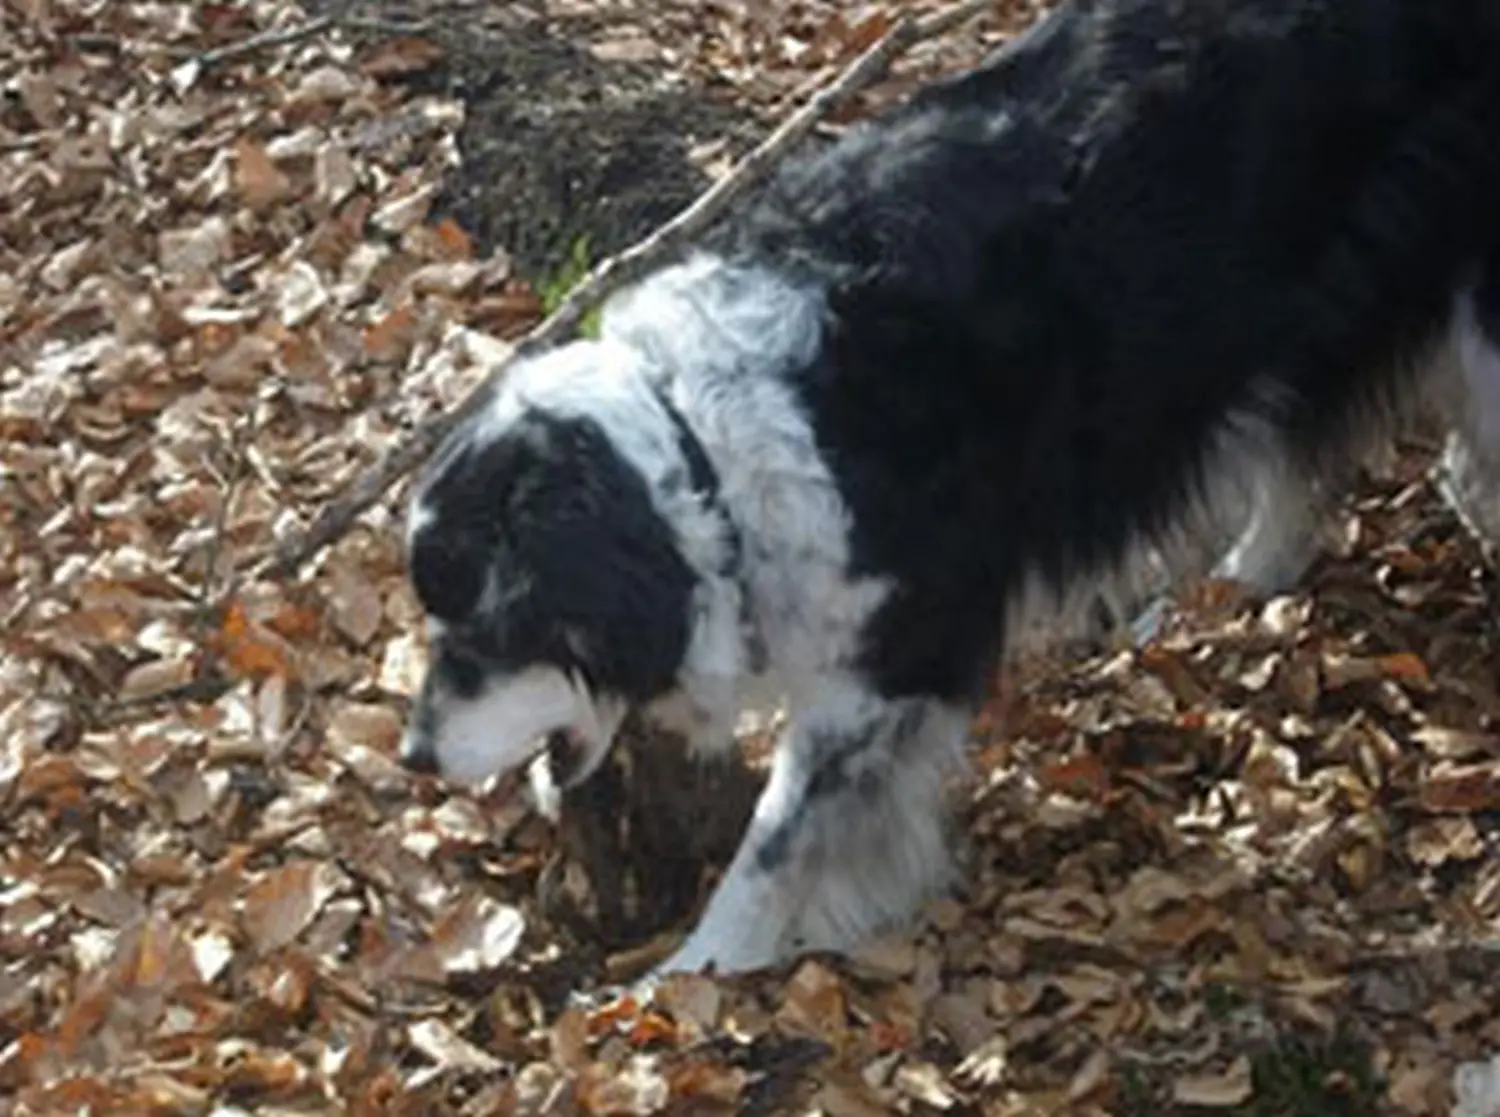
column 422, row 761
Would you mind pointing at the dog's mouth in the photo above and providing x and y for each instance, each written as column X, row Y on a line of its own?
column 564, row 758
column 570, row 758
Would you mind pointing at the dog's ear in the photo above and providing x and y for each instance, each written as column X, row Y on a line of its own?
column 459, row 514
column 608, row 582
column 448, row 570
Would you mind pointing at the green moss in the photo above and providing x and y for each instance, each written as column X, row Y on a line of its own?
column 552, row 289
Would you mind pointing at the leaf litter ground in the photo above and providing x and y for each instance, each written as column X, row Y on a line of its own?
column 1251, row 869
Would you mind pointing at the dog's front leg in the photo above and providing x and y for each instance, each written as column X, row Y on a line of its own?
column 848, row 837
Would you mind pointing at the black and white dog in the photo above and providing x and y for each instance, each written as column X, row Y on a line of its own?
column 947, row 379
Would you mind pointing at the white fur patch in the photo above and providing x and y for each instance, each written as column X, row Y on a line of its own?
column 718, row 336
column 506, row 723
column 848, row 837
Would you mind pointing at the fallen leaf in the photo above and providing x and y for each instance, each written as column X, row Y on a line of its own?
column 250, row 649
column 636, row 1090
column 400, row 55
column 813, row 1003
column 477, row 935
column 450, row 1051
column 1441, row 840
column 284, row 901
column 260, row 182
column 1082, row 776
column 1231, row 1087
column 1462, row 789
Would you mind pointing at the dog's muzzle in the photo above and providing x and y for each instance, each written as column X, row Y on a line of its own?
column 508, row 725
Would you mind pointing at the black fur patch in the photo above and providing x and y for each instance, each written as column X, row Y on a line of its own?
column 1053, row 280
column 544, row 548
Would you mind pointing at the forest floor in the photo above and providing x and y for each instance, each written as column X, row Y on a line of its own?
column 1252, row 869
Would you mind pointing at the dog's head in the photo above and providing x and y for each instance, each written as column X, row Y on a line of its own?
column 556, row 586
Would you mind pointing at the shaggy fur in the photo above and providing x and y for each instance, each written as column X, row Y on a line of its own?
column 946, row 379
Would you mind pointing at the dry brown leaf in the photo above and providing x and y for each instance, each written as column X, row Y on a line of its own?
column 1216, row 1090
column 450, row 1051
column 354, row 604
column 700, row 1082
column 696, row 1002
column 1462, row 789
column 1449, row 743
column 1083, row 776
column 1440, row 840
column 637, row 1089
column 629, row 44
column 1420, row 1087
column 260, row 183
column 251, row 650
column 849, row 1099
column 284, row 901
column 477, row 934
column 156, row 677
column 390, row 338
column 401, row 56
column 1092, row 1077
column 865, row 33
column 455, row 243
column 814, row 1004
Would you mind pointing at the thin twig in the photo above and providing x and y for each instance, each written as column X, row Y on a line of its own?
column 285, row 36
column 940, row 23
column 336, row 517
column 385, row 26
column 263, row 40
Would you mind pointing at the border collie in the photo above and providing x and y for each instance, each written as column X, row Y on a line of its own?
column 935, row 387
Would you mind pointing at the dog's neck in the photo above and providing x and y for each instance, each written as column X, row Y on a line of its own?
column 708, row 487
column 725, row 648
column 705, row 481
column 726, row 342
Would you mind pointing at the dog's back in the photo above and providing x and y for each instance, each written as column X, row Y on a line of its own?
column 1061, row 286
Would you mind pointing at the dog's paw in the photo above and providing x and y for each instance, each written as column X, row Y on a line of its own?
column 698, row 956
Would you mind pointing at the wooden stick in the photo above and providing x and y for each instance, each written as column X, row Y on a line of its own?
column 339, row 514
column 263, row 40
column 285, row 36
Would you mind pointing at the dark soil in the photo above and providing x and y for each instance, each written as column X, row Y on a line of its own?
column 647, row 828
column 559, row 148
